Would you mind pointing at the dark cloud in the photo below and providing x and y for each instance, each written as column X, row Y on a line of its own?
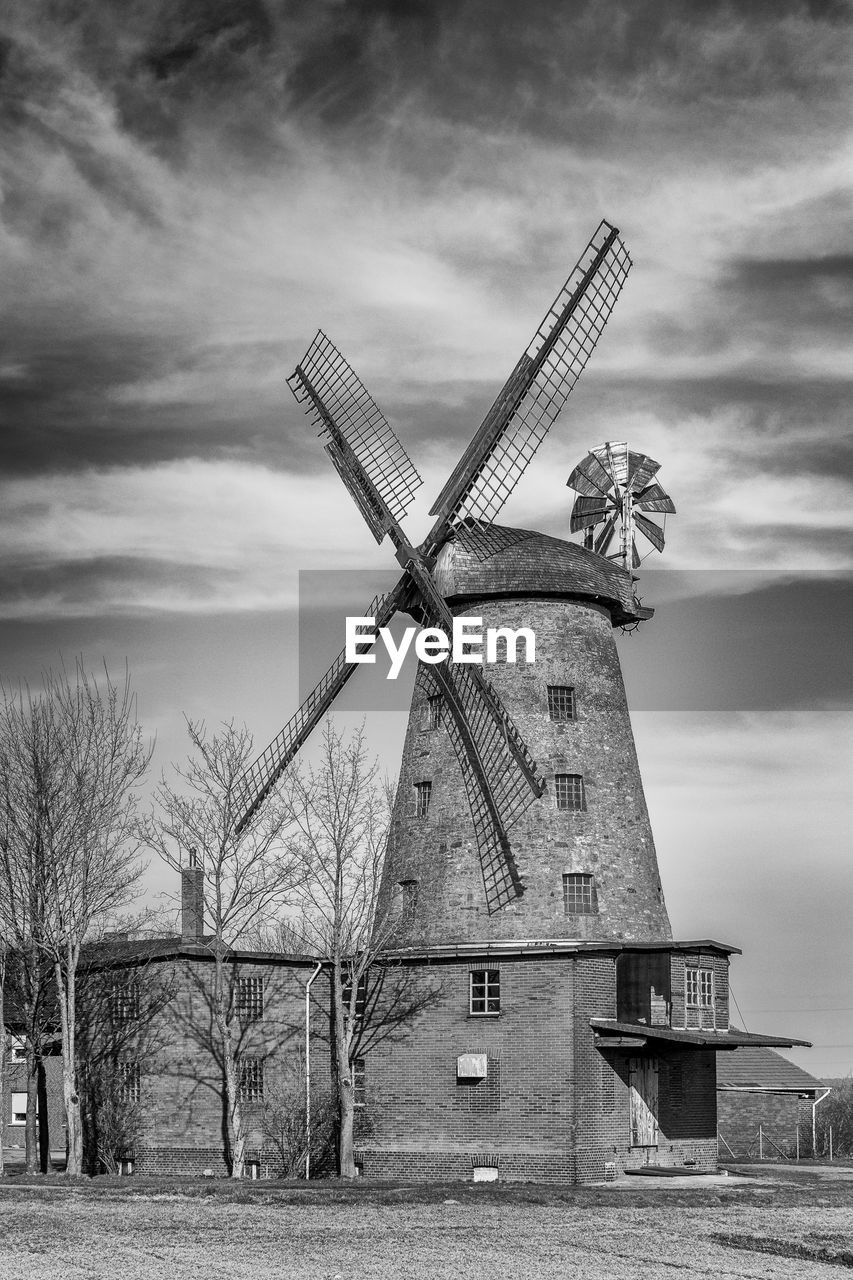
column 736, row 642
column 88, row 586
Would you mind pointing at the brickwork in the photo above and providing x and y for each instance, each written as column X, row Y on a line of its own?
column 610, row 838
column 181, row 1089
column 553, row 1107
column 739, row 1115
column 16, row 1082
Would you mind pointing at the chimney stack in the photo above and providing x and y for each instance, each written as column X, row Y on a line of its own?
column 192, row 900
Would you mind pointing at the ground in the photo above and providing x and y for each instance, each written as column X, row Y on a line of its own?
column 771, row 1222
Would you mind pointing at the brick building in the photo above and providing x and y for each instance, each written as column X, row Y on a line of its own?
column 173, row 1071
column 762, row 1099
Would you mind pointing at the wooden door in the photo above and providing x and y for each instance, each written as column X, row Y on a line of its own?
column 643, row 1079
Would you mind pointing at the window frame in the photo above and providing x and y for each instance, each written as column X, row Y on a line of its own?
column 359, row 1082
column 125, row 1002
column 701, row 979
column 129, row 1082
column 17, row 1093
column 251, row 1082
column 423, row 798
column 17, row 1050
column 489, row 981
column 576, row 788
column 585, row 880
column 251, row 1008
column 555, row 697
column 433, row 712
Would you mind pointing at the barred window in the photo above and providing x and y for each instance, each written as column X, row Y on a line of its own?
column 579, row 896
column 561, row 702
column 485, row 989
column 251, row 1080
column 250, row 998
column 127, row 1082
column 569, row 790
column 433, row 712
column 359, row 1089
column 124, row 1001
column 699, row 988
column 423, row 795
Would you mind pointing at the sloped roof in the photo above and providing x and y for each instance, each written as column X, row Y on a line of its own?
column 757, row 1067
column 500, row 562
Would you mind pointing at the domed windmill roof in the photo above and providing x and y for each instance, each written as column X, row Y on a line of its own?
column 497, row 562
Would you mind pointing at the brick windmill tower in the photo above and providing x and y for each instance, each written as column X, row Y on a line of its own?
column 565, row 1035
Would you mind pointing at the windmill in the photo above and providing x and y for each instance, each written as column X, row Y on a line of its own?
column 615, row 486
column 500, row 775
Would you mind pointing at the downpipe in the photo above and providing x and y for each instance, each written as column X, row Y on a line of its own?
column 308, row 1070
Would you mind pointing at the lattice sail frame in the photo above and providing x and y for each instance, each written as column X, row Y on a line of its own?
column 540, row 384
column 351, row 410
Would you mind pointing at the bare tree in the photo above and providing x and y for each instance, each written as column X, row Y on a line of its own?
column 340, row 814
column 71, row 760
column 247, row 876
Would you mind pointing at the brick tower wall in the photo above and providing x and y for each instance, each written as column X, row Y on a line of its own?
column 610, row 839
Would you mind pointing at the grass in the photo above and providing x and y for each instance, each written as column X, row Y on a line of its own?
column 180, row 1229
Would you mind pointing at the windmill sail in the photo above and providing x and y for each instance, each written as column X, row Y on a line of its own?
column 261, row 776
column 538, row 387
column 325, row 380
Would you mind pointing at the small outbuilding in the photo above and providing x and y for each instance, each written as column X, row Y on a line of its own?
column 762, row 1100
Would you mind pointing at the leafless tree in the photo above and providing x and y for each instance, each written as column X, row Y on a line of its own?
column 71, row 760
column 340, row 815
column 247, row 876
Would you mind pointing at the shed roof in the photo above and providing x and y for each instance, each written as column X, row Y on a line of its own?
column 756, row 1068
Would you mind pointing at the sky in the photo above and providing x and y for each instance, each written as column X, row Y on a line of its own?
column 189, row 188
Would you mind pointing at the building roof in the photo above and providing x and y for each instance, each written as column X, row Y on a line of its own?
column 545, row 946
column 497, row 562
column 756, row 1068
column 731, row 1039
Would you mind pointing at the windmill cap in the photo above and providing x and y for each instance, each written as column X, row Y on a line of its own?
column 494, row 562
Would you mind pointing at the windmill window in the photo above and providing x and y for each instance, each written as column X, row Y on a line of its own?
column 569, row 790
column 251, row 1080
column 699, row 984
column 423, row 795
column 250, row 999
column 579, row 896
column 485, row 992
column 433, row 712
column 127, row 1082
column 561, row 702
column 409, row 892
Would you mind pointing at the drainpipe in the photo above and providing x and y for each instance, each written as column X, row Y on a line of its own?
column 815, row 1106
column 308, row 1070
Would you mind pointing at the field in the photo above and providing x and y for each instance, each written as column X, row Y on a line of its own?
column 769, row 1223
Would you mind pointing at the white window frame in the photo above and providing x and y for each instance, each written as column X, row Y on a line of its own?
column 491, row 992
column 17, row 1049
column 19, row 1110
column 698, row 987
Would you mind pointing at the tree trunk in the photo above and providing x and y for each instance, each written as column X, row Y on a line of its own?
column 43, row 1117
column 66, row 992
column 2, row 1047
column 31, row 1156
column 235, row 1138
column 343, row 1080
